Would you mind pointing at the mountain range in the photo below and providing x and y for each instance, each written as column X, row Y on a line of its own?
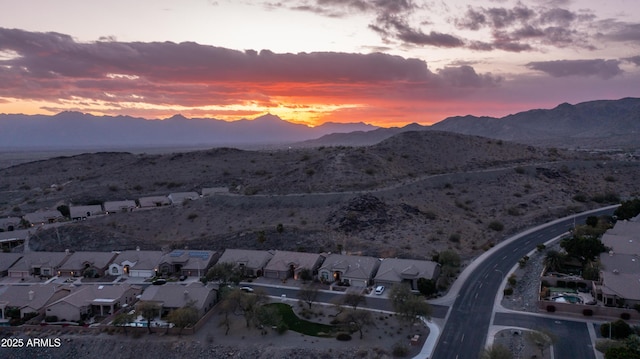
column 594, row 124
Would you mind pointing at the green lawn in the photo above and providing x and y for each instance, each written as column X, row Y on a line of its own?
column 300, row 325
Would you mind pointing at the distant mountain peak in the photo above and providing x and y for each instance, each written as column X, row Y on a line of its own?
column 177, row 117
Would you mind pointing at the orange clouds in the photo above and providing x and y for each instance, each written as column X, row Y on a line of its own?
column 161, row 79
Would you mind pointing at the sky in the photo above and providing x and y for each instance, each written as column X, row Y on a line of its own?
column 382, row 62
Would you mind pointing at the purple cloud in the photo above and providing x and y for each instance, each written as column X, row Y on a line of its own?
column 604, row 69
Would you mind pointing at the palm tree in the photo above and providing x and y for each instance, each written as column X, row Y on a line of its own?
column 554, row 260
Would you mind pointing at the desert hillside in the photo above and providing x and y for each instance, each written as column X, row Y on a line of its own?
column 411, row 195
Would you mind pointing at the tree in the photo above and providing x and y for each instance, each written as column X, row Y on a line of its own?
column 496, row 351
column 308, row 294
column 541, row 339
column 357, row 320
column 224, row 273
column 306, row 274
column 628, row 209
column 554, row 260
column 585, row 248
column 247, row 304
column 122, row 320
column 183, row 317
column 616, row 330
column 449, row 258
column 64, row 210
column 149, row 311
column 354, row 300
column 427, row 287
column 406, row 304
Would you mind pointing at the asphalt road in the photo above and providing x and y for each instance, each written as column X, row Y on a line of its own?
column 465, row 332
column 572, row 338
column 371, row 301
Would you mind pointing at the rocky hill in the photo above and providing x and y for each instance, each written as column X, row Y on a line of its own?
column 411, row 195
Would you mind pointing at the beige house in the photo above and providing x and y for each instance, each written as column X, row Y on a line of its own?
column 619, row 282
column 250, row 262
column 45, row 264
column 87, row 264
column 153, row 201
column 394, row 271
column 173, row 296
column 119, row 206
column 9, row 224
column 30, row 298
column 354, row 270
column 285, row 264
column 6, row 261
column 78, row 213
column 137, row 263
column 93, row 300
column 188, row 263
column 43, row 217
column 181, row 197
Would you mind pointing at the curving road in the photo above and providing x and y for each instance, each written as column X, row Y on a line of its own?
column 465, row 332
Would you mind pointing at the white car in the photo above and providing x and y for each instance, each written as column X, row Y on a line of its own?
column 246, row 289
column 379, row 289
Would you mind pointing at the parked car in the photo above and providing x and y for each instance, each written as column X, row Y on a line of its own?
column 246, row 289
column 379, row 290
column 159, row 281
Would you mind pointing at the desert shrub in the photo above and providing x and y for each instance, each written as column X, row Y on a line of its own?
column 540, row 247
column 496, row 226
column 587, row 312
column 512, row 280
column 455, row 238
column 343, row 337
column 551, row 308
column 520, row 170
column 618, row 330
column 508, row 291
column 400, row 350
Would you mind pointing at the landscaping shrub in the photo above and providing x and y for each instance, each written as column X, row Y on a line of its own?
column 587, row 312
column 619, row 329
column 50, row 318
column 551, row 308
column 400, row 350
column 343, row 337
column 625, row 316
column 508, row 291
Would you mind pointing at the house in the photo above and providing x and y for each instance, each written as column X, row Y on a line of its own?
column 172, row 296
column 44, row 264
column 620, row 266
column 93, row 300
column 285, row 264
column 394, row 271
column 30, row 298
column 137, row 263
column 354, row 270
column 187, row 262
column 251, row 262
column 42, row 217
column 78, row 213
column 119, row 206
column 153, row 201
column 214, row 191
column 9, row 224
column 86, row 264
column 6, row 261
column 181, row 197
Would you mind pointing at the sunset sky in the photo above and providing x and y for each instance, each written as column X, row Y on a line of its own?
column 383, row 62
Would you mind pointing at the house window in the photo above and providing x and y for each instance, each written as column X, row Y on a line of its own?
column 114, row 270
